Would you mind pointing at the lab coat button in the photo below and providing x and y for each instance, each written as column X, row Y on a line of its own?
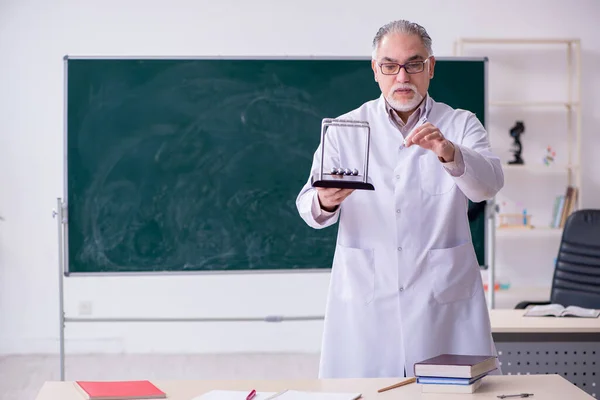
column 401, row 289
column 398, row 211
column 399, row 248
column 397, row 176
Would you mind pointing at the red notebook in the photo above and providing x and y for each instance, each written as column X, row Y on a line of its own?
column 120, row 390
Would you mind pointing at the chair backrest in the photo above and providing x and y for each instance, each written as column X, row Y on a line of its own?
column 577, row 274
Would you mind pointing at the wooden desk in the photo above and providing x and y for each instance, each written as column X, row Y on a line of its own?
column 546, row 387
column 548, row 345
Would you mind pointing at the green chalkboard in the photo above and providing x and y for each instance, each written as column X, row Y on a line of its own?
column 195, row 164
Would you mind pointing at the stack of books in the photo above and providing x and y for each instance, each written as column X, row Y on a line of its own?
column 453, row 373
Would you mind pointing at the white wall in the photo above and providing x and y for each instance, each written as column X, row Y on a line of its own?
column 35, row 35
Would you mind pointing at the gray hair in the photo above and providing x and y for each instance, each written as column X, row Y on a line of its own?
column 405, row 27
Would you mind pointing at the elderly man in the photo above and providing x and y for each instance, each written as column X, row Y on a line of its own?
column 405, row 283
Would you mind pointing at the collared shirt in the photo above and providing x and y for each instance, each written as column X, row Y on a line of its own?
column 405, row 128
column 455, row 167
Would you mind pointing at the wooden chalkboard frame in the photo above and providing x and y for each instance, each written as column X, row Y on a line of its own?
column 64, row 250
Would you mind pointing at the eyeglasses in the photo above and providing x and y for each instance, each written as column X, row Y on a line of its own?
column 412, row 67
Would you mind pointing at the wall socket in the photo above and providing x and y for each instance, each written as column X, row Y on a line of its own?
column 85, row 308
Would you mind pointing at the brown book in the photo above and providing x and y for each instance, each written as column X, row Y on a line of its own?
column 569, row 203
column 455, row 366
column 574, row 197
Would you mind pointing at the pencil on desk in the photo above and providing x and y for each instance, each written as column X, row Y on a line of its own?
column 394, row 386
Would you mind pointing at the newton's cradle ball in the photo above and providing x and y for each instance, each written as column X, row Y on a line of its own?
column 344, row 171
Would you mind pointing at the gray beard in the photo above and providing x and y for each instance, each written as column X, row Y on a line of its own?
column 405, row 107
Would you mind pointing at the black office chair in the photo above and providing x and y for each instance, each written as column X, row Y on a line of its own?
column 576, row 278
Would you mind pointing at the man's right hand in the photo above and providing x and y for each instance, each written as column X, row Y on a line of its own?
column 331, row 198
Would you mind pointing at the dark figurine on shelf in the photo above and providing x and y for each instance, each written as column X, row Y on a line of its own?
column 515, row 133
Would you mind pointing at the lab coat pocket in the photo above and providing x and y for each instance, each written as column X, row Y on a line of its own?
column 455, row 273
column 353, row 275
column 435, row 180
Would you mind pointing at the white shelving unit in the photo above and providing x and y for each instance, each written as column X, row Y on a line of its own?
column 524, row 233
column 521, row 103
column 571, row 104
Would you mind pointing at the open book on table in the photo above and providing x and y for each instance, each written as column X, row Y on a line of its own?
column 283, row 395
column 557, row 310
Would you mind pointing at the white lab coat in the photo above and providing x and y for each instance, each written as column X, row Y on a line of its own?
column 405, row 282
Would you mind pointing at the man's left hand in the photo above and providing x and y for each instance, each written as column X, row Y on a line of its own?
column 429, row 137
